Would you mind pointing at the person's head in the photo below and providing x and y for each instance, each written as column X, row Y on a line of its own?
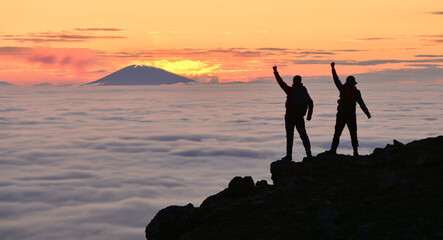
column 351, row 80
column 296, row 79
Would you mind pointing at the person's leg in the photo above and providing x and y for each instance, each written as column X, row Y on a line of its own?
column 339, row 126
column 289, row 126
column 301, row 129
column 352, row 126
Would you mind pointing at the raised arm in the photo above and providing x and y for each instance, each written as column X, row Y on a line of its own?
column 362, row 104
column 280, row 81
column 337, row 81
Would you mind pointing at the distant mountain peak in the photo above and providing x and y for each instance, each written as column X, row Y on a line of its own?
column 141, row 75
column 5, row 84
column 140, row 66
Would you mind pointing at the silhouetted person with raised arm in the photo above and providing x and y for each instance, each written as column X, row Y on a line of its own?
column 297, row 102
column 349, row 96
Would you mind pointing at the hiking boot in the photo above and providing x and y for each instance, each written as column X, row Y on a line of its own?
column 287, row 158
column 309, row 155
column 355, row 151
column 331, row 151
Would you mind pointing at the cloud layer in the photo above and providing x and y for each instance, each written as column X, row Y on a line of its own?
column 99, row 162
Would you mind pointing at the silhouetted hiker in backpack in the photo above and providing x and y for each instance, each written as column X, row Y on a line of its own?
column 297, row 103
column 349, row 96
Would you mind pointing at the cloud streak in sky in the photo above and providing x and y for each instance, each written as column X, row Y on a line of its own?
column 78, row 58
column 369, row 62
column 318, row 52
column 374, row 39
column 430, row 56
column 55, row 37
column 15, row 50
column 46, row 59
column 434, row 38
column 100, row 29
column 77, row 35
column 272, row 49
column 349, row 50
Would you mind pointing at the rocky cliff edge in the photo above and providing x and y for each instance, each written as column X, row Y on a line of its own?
column 393, row 193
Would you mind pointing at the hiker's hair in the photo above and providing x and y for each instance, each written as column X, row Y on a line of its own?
column 296, row 79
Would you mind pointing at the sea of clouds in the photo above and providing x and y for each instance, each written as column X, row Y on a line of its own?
column 100, row 162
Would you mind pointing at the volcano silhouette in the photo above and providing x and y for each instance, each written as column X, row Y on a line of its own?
column 141, row 75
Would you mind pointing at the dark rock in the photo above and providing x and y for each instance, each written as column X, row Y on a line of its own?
column 290, row 184
column 262, row 184
column 365, row 230
column 394, row 193
column 421, row 160
column 327, row 215
column 237, row 187
column 398, row 145
column 170, row 223
column 377, row 151
column 332, row 232
column 282, row 169
column 240, row 186
column 300, row 214
column 387, row 180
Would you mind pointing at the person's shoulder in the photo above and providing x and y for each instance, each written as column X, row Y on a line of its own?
column 287, row 89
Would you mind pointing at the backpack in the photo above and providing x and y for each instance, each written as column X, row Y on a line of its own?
column 299, row 100
column 348, row 97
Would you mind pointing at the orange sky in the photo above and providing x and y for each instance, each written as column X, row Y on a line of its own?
column 74, row 42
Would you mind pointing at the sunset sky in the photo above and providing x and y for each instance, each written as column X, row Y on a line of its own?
column 74, row 42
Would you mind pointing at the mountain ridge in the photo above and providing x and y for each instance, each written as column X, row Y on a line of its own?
column 141, row 75
column 2, row 83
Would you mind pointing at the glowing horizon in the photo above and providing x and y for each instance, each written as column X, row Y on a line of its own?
column 75, row 43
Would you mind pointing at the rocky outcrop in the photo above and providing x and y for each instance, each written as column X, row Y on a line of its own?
column 394, row 193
